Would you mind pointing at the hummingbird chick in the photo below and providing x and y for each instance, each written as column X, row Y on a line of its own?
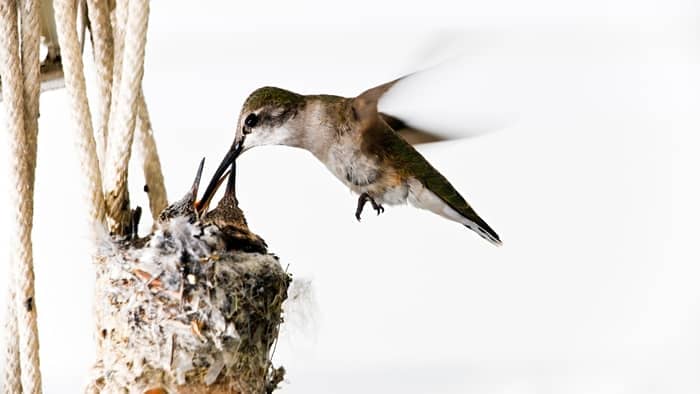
column 228, row 217
column 187, row 205
column 351, row 137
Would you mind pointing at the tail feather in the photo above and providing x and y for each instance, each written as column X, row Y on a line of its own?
column 422, row 197
column 480, row 227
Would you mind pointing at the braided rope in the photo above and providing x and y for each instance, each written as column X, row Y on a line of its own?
column 22, row 164
column 145, row 142
column 12, row 373
column 117, row 20
column 25, row 299
column 11, row 382
column 30, row 43
column 75, row 87
column 150, row 162
column 111, row 41
column 103, row 51
column 121, row 108
column 121, row 137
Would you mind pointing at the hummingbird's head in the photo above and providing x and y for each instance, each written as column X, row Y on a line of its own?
column 268, row 117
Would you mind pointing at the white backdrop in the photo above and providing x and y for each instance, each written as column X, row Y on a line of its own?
column 586, row 166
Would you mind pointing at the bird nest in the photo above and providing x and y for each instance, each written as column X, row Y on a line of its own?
column 182, row 311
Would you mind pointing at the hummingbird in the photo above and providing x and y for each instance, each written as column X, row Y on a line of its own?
column 227, row 216
column 354, row 141
column 186, row 206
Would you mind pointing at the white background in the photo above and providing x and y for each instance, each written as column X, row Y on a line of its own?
column 583, row 158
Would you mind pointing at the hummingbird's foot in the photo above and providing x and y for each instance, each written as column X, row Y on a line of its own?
column 364, row 197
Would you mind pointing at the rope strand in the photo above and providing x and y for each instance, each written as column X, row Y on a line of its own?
column 150, row 162
column 11, row 381
column 21, row 190
column 82, row 126
column 103, row 51
column 25, row 299
column 122, row 109
column 121, row 136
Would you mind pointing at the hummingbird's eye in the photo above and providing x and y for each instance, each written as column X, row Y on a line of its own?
column 251, row 120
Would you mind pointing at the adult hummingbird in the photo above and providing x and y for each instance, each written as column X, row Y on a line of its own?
column 353, row 139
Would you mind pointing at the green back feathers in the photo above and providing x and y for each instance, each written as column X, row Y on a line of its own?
column 409, row 163
column 404, row 158
column 381, row 140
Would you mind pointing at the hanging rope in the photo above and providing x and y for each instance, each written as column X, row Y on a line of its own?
column 103, row 50
column 121, row 135
column 24, row 280
column 108, row 46
column 118, row 46
column 150, row 162
column 75, row 87
column 20, row 94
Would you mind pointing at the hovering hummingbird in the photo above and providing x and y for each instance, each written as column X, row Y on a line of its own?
column 353, row 139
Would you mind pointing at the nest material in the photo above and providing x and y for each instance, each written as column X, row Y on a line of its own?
column 178, row 312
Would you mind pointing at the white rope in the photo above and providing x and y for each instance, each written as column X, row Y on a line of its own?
column 25, row 299
column 103, row 51
column 75, row 87
column 150, row 162
column 121, row 136
column 11, row 378
column 22, row 131
column 121, row 107
column 117, row 20
column 32, row 78
column 109, row 45
column 11, row 381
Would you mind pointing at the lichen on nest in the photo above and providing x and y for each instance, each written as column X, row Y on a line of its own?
column 181, row 308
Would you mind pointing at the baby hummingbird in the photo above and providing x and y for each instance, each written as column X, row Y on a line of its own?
column 351, row 137
column 228, row 217
column 186, row 206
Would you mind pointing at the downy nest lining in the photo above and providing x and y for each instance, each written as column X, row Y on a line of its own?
column 181, row 306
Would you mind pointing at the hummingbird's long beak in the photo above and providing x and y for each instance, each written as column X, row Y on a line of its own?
column 218, row 177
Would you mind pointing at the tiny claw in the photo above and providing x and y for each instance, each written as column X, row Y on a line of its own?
column 377, row 207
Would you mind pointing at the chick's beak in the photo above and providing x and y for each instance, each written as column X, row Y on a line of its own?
column 197, row 180
column 219, row 176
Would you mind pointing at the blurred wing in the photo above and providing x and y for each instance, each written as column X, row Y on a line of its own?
column 365, row 105
column 412, row 135
column 365, row 108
